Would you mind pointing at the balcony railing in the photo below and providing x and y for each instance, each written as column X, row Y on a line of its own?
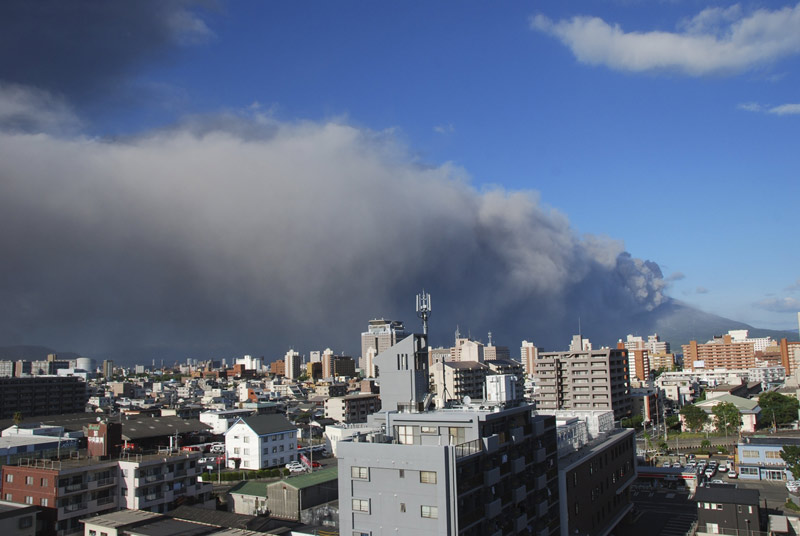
column 105, row 500
column 153, row 478
column 75, row 507
column 74, row 487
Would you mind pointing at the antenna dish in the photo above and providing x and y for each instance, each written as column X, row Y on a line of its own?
column 467, row 400
column 99, row 419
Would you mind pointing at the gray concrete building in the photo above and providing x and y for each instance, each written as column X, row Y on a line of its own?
column 583, row 379
column 464, row 471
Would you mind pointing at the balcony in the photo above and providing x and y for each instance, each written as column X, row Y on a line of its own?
column 68, row 509
column 491, row 477
column 491, row 443
column 521, row 523
column 540, row 481
column 518, row 464
column 540, row 456
column 541, row 508
column 494, row 508
column 71, row 488
column 105, row 500
column 520, row 494
column 153, row 497
column 517, row 434
column 151, row 478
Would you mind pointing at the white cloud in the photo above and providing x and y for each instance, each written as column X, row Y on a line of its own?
column 715, row 41
column 750, row 107
column 780, row 305
column 782, row 109
column 701, row 290
column 786, row 109
column 444, row 129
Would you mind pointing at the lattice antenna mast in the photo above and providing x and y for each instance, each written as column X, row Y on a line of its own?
column 424, row 309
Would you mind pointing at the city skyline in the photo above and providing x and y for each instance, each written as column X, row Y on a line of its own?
column 217, row 177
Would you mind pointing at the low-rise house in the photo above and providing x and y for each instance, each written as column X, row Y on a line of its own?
column 749, row 409
column 760, row 458
column 261, row 441
column 727, row 510
column 286, row 498
column 248, row 497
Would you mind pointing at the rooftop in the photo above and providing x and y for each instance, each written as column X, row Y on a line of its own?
column 256, row 488
column 121, row 518
column 307, row 480
column 727, row 495
column 272, row 423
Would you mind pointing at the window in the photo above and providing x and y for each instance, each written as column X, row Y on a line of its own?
column 750, row 454
column 431, row 512
column 359, row 472
column 8, row 496
column 281, row 448
column 428, row 429
column 402, row 507
column 92, row 533
column 427, row 477
column 236, row 450
column 29, row 480
column 44, row 482
column 246, row 439
column 405, row 435
column 361, row 505
column 247, row 452
column 9, row 478
column 43, row 502
column 775, row 454
column 28, row 499
column 402, row 473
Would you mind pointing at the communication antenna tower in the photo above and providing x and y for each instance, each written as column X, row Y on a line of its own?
column 424, row 309
column 490, row 338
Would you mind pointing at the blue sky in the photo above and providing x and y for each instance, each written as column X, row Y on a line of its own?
column 187, row 134
column 689, row 169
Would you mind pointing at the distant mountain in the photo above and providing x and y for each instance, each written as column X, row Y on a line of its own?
column 31, row 353
column 679, row 323
column 674, row 321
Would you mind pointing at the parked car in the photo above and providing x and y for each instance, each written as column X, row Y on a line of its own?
column 677, row 464
column 732, row 474
column 295, row 467
column 717, row 481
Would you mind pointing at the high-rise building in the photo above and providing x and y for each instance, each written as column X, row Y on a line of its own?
column 528, row 354
column 293, row 363
column 108, row 368
column 584, row 379
column 382, row 334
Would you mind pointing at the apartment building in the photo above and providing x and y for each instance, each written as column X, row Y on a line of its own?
column 261, row 441
column 719, row 353
column 72, row 489
column 42, row 395
column 352, row 408
column 790, row 356
column 583, row 379
column 464, row 471
column 596, row 467
column 454, row 380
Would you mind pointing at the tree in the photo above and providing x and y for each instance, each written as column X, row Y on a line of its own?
column 705, row 444
column 777, row 408
column 791, row 455
column 663, row 447
column 694, row 417
column 632, row 422
column 727, row 418
column 674, row 422
column 17, row 418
